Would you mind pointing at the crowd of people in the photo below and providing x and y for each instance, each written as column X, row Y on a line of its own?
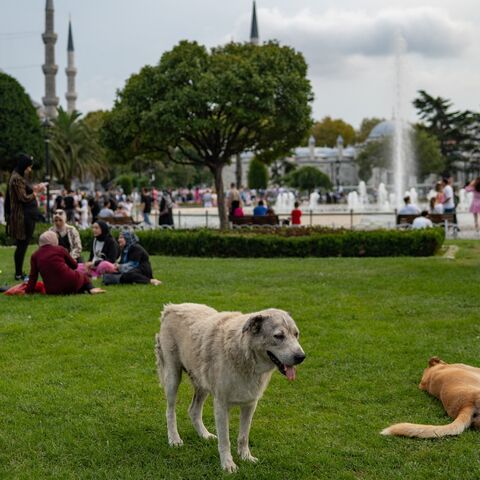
column 58, row 258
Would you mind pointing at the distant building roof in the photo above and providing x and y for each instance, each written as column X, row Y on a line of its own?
column 382, row 129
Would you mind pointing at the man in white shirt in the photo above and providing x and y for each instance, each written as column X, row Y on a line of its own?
column 422, row 221
column 409, row 208
column 449, row 200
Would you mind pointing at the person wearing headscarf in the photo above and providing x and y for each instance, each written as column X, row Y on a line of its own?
column 21, row 209
column 68, row 236
column 57, row 268
column 134, row 265
column 104, row 251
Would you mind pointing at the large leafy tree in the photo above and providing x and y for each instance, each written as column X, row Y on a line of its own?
column 76, row 152
column 308, row 178
column 328, row 129
column 450, row 127
column 20, row 129
column 203, row 107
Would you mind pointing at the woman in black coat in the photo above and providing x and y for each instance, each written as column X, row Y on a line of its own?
column 104, row 252
column 134, row 265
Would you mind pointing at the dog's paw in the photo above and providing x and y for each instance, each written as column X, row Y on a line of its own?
column 175, row 442
column 229, row 466
column 248, row 457
column 209, row 436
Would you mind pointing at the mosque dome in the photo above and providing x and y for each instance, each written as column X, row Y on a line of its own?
column 382, row 129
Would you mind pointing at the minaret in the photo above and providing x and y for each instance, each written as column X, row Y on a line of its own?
column 71, row 72
column 50, row 100
column 254, row 29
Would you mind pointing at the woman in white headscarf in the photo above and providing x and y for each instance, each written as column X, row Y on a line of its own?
column 68, row 236
column 57, row 268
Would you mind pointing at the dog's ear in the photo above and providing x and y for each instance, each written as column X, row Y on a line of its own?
column 253, row 324
column 434, row 361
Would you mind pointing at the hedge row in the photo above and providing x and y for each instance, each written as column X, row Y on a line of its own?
column 320, row 243
column 324, row 243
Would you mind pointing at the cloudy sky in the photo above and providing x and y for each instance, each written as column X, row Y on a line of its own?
column 349, row 45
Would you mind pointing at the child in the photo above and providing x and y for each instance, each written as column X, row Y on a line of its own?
column 296, row 215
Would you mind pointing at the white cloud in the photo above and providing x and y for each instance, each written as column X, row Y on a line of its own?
column 337, row 40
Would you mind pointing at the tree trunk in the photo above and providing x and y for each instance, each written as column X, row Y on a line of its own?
column 222, row 208
column 238, row 170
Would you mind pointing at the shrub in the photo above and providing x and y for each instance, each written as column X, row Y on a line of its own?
column 280, row 242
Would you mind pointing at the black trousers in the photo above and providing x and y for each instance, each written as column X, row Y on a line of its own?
column 22, row 245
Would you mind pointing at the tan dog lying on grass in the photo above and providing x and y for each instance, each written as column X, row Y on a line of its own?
column 457, row 386
column 228, row 355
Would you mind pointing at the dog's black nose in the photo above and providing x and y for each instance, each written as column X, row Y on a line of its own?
column 299, row 358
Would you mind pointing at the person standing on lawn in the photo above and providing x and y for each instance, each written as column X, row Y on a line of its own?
column 21, row 209
column 296, row 215
column 57, row 268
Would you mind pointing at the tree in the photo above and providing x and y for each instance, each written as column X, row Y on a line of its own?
column 203, row 107
column 308, row 178
column 75, row 150
column 328, row 129
column 20, row 129
column 426, row 152
column 257, row 175
column 366, row 127
column 374, row 154
column 451, row 128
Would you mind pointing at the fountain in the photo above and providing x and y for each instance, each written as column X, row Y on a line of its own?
column 402, row 152
column 285, row 201
column 313, row 201
column 382, row 200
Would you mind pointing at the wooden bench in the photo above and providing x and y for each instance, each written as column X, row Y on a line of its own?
column 254, row 220
column 446, row 219
column 119, row 221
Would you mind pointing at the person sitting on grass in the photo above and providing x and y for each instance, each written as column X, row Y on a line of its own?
column 57, row 268
column 134, row 265
column 104, row 252
column 68, row 236
column 422, row 221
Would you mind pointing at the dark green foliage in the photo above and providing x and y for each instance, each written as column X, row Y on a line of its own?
column 20, row 129
column 307, row 179
column 278, row 242
column 316, row 243
column 454, row 130
column 203, row 107
column 126, row 182
column 257, row 175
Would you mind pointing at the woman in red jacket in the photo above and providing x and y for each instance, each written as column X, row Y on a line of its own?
column 57, row 269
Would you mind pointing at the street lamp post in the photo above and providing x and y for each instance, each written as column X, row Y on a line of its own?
column 46, row 126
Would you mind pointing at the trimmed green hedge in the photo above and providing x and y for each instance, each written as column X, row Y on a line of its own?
column 282, row 242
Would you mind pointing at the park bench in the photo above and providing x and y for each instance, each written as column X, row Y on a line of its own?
column 448, row 220
column 254, row 220
column 120, row 221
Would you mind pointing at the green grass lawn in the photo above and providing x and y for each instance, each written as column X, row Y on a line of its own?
column 79, row 397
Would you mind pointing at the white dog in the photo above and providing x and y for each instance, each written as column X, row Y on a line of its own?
column 228, row 355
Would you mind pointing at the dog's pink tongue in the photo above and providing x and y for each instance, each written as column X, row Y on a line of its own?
column 290, row 372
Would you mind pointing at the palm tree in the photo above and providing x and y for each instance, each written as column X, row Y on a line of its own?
column 76, row 152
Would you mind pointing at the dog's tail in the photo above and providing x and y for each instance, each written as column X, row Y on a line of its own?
column 461, row 423
column 159, row 355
